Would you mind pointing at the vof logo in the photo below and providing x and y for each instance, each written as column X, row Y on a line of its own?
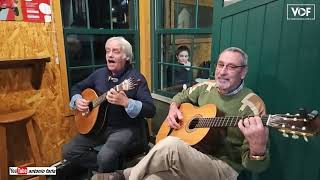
column 301, row 11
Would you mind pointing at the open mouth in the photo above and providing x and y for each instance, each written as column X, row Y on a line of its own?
column 111, row 61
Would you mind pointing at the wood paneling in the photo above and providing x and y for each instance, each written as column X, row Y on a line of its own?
column 21, row 40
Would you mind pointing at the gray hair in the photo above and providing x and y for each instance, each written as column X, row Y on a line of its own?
column 240, row 51
column 125, row 46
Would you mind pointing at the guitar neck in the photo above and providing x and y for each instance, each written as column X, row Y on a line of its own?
column 102, row 98
column 230, row 121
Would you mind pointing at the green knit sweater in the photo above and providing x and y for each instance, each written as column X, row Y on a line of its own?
column 235, row 148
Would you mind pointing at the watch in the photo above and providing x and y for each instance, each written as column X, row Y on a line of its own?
column 257, row 158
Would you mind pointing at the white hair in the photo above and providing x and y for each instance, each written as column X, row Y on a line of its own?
column 240, row 51
column 125, row 46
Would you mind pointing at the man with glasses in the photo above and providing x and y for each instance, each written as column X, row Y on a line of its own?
column 230, row 151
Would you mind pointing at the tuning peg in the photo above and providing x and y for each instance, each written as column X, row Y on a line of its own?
column 284, row 134
column 294, row 136
column 303, row 112
column 313, row 114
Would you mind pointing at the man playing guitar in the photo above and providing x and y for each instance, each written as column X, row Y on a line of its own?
column 123, row 111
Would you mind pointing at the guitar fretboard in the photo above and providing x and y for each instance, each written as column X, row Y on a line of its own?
column 102, row 98
column 229, row 121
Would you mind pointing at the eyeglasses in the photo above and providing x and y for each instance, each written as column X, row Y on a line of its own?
column 229, row 67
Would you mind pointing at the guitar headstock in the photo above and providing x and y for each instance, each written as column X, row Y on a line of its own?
column 127, row 84
column 296, row 125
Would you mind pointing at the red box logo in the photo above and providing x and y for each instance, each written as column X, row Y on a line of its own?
column 22, row 170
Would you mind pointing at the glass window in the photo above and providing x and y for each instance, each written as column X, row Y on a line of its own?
column 84, row 50
column 182, row 44
column 88, row 24
column 185, row 13
column 112, row 14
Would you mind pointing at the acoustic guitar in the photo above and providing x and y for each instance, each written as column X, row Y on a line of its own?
column 93, row 120
column 197, row 122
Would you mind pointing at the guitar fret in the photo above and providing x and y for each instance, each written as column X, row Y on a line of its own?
column 235, row 122
column 224, row 123
column 216, row 123
column 212, row 122
column 221, row 123
column 228, row 121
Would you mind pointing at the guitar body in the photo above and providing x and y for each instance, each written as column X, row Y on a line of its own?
column 189, row 112
column 92, row 121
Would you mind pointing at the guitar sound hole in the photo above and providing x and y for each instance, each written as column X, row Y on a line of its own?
column 193, row 123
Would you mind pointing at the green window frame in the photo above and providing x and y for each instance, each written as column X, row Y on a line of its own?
column 88, row 24
column 176, row 23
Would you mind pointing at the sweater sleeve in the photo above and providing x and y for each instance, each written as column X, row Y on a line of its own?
column 190, row 95
column 255, row 107
column 148, row 109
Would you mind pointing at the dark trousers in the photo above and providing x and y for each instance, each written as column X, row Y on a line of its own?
column 116, row 142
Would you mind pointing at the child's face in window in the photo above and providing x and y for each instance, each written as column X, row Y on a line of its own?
column 183, row 57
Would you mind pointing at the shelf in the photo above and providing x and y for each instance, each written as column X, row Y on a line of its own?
column 37, row 64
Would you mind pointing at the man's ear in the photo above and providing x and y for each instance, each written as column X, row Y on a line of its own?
column 244, row 72
column 126, row 57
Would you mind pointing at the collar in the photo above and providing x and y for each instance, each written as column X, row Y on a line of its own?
column 118, row 75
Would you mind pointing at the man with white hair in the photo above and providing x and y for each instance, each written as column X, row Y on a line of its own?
column 124, row 112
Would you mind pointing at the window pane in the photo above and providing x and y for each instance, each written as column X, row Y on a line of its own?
column 182, row 14
column 98, row 14
column 79, row 49
column 84, row 50
column 176, row 14
column 205, row 14
column 173, row 78
column 77, row 75
column 199, row 46
column 74, row 13
column 172, row 74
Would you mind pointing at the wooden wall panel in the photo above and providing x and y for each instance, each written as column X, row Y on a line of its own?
column 20, row 40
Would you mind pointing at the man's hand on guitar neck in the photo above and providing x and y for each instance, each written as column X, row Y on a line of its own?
column 173, row 115
column 256, row 134
column 82, row 105
column 118, row 98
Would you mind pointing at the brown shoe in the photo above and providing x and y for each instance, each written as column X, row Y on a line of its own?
column 117, row 175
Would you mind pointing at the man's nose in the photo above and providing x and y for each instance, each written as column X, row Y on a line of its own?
column 223, row 70
column 109, row 54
